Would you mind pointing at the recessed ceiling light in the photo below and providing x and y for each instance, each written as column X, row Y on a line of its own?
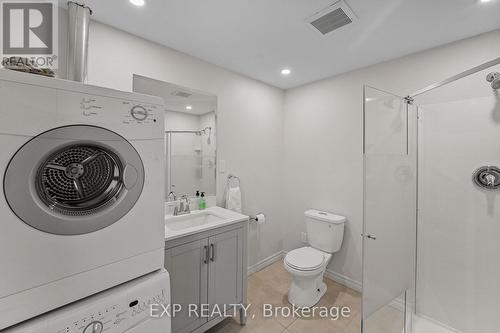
column 484, row 1
column 138, row 3
column 189, row 107
column 286, row 71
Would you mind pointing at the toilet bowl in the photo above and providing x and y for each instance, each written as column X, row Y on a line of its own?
column 307, row 265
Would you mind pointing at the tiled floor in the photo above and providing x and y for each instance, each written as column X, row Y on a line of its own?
column 270, row 286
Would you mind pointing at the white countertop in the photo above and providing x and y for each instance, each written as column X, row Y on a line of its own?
column 227, row 217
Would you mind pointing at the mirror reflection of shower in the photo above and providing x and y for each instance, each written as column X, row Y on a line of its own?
column 190, row 136
column 209, row 130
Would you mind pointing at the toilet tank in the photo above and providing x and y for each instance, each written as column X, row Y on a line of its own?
column 325, row 231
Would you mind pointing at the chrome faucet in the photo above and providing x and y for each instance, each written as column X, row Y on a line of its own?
column 171, row 197
column 183, row 206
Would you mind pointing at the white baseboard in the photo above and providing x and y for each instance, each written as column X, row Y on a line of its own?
column 339, row 278
column 422, row 320
column 398, row 304
column 266, row 262
column 343, row 280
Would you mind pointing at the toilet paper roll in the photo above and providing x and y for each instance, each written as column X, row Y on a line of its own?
column 261, row 218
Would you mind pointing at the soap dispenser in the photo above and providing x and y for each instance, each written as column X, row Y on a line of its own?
column 202, row 203
column 197, row 202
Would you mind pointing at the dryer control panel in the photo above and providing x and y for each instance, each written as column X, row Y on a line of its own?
column 42, row 108
column 137, row 119
column 99, row 108
column 112, row 311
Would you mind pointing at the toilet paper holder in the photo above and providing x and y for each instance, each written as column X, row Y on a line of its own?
column 255, row 218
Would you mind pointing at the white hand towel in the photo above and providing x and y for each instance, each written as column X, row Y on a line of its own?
column 233, row 199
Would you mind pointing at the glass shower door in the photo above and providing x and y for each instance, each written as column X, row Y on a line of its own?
column 390, row 201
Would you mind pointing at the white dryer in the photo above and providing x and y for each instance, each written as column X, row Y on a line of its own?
column 139, row 306
column 82, row 203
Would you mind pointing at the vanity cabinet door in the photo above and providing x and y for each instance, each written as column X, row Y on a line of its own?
column 225, row 268
column 188, row 267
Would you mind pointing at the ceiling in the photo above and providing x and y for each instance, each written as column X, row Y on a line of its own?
column 258, row 38
column 199, row 102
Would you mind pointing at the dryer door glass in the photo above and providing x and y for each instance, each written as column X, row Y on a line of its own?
column 80, row 179
column 74, row 180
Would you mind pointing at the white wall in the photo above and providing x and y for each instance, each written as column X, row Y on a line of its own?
column 249, row 116
column 323, row 135
column 181, row 121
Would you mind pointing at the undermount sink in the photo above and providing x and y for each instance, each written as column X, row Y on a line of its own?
column 192, row 220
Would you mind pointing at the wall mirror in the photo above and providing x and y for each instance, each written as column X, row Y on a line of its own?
column 190, row 136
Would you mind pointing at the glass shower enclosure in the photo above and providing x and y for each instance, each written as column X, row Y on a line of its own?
column 390, row 197
column 432, row 207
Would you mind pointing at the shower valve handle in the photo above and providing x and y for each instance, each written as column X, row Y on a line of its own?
column 490, row 179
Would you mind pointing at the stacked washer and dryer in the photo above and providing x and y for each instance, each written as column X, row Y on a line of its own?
column 81, row 209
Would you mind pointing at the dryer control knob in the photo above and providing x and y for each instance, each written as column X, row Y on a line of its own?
column 139, row 112
column 94, row 327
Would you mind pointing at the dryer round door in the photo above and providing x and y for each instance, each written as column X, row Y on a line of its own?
column 74, row 180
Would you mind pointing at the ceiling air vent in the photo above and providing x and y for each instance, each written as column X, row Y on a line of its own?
column 332, row 18
column 180, row 93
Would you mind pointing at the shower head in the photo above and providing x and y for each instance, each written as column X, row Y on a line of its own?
column 204, row 131
column 494, row 78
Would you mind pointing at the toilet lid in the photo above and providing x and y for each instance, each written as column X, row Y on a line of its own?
column 305, row 259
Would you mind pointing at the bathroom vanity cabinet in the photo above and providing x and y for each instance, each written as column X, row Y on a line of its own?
column 207, row 273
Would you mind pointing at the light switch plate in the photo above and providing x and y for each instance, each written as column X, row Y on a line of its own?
column 303, row 237
column 222, row 166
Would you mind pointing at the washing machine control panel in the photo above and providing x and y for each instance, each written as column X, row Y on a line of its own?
column 94, row 327
column 113, row 311
column 116, row 317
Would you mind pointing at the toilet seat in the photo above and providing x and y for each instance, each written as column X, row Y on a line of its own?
column 305, row 259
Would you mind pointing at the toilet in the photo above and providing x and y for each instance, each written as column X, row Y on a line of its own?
column 307, row 265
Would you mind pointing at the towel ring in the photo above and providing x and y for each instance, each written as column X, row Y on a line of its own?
column 231, row 178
